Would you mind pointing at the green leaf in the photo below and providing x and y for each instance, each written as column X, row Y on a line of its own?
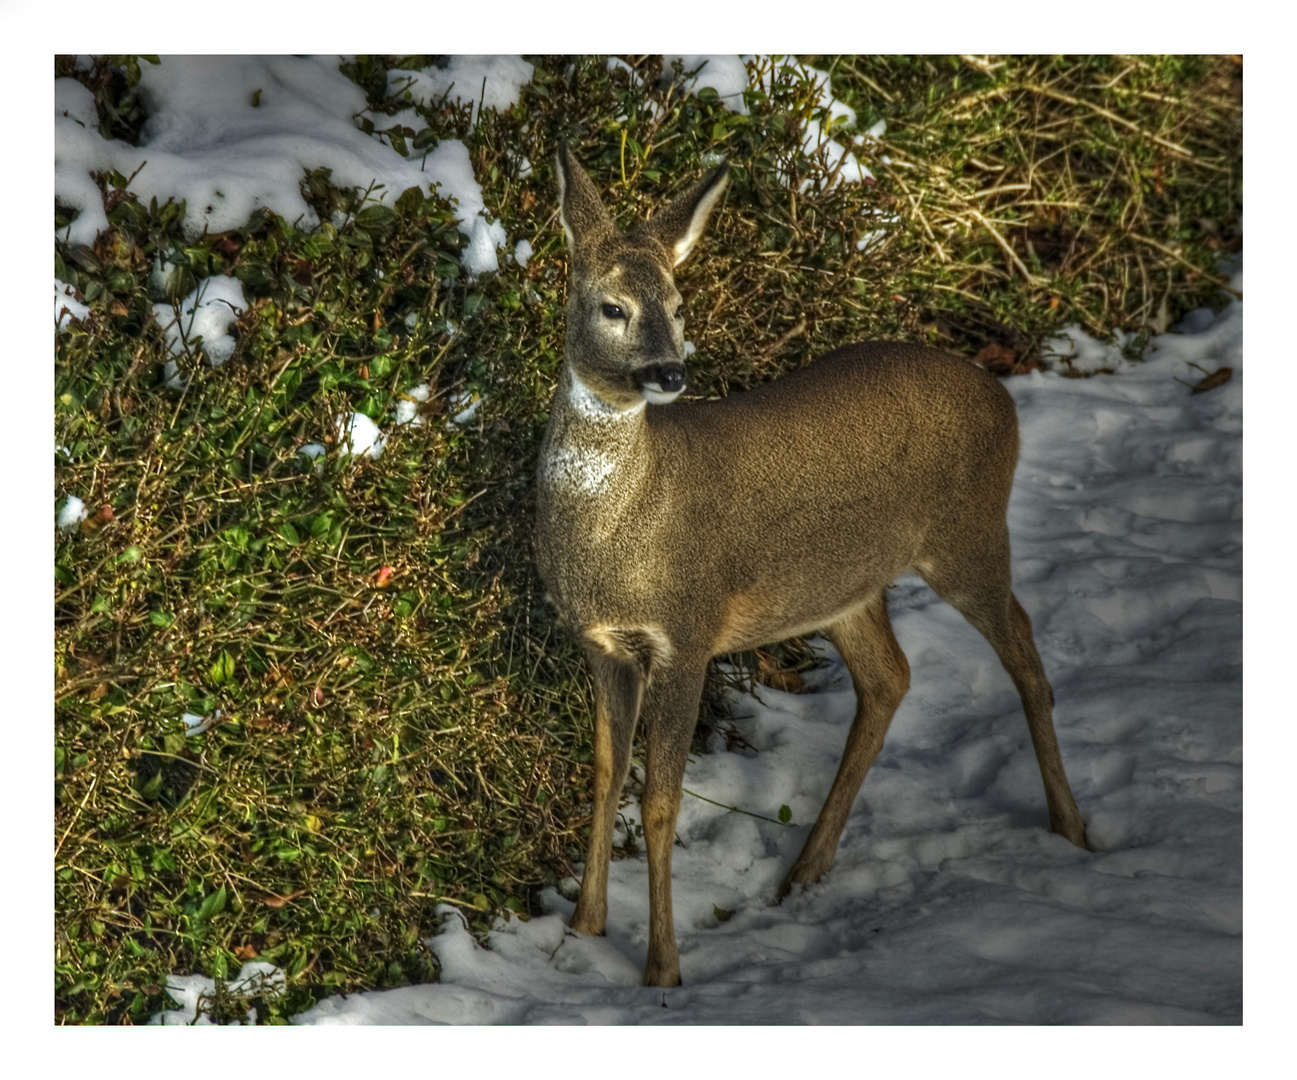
column 721, row 914
column 374, row 216
column 410, row 201
column 214, row 904
column 222, row 669
column 161, row 619
column 152, row 787
column 785, row 815
column 322, row 524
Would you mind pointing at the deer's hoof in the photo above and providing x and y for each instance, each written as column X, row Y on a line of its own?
column 801, row 874
column 1072, row 828
column 665, row 976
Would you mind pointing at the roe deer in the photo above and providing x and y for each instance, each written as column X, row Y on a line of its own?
column 669, row 533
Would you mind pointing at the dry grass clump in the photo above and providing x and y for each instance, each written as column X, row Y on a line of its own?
column 1049, row 190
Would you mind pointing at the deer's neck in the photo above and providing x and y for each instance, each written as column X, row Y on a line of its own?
column 592, row 449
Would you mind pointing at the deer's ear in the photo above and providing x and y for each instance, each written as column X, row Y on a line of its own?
column 680, row 225
column 579, row 206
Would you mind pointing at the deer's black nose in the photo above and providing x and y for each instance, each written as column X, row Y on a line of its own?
column 668, row 378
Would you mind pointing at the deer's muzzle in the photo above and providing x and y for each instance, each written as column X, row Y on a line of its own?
column 661, row 383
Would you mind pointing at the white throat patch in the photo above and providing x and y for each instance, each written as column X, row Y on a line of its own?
column 590, row 406
column 655, row 395
column 584, row 470
column 586, row 463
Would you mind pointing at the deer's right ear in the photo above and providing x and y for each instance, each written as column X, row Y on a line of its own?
column 579, row 206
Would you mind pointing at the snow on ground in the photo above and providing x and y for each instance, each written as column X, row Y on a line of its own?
column 950, row 901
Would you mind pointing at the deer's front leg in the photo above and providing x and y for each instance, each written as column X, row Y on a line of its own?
column 618, row 689
column 670, row 713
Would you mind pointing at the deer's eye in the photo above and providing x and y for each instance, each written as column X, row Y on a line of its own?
column 680, row 312
column 612, row 311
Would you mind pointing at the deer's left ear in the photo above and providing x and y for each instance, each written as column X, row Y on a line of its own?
column 680, row 225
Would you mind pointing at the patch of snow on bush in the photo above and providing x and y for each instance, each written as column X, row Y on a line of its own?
column 256, row 978
column 358, row 434
column 407, row 408
column 1073, row 350
column 202, row 320
column 727, row 75
column 71, row 514
column 492, row 81
column 67, row 306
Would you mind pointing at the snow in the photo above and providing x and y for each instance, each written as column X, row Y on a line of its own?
column 196, row 724
column 255, row 977
column 314, row 453
column 727, row 75
column 843, row 165
column 71, row 514
column 493, row 81
column 230, row 134
column 406, row 410
column 66, row 306
column 358, row 434
column 202, row 320
column 466, row 405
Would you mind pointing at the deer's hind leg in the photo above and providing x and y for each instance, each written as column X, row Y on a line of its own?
column 977, row 584
column 881, row 676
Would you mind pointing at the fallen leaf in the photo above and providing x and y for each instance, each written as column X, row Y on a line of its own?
column 1219, row 377
column 274, row 900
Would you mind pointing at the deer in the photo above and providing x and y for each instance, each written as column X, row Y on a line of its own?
column 669, row 532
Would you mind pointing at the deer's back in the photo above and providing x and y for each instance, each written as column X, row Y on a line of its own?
column 886, row 420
